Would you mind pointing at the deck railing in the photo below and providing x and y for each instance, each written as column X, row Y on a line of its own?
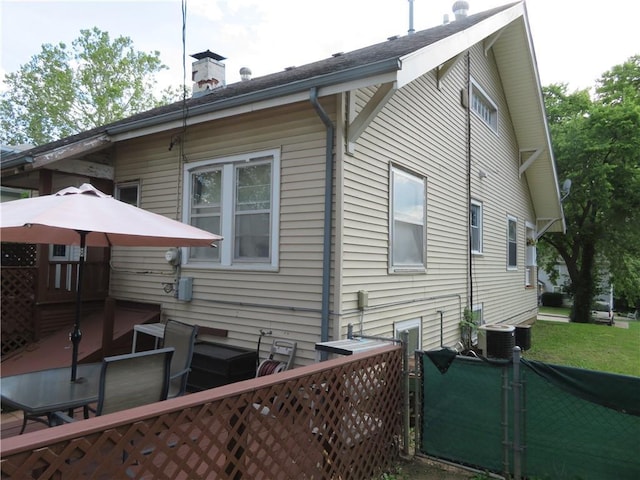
column 339, row 419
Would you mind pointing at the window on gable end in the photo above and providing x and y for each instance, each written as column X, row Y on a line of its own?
column 483, row 107
column 407, row 222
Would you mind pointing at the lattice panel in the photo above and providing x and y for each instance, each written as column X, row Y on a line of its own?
column 18, row 255
column 17, row 304
column 341, row 422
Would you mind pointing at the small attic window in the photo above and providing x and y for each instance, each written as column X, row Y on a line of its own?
column 484, row 107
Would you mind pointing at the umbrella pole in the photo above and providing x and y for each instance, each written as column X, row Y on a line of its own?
column 76, row 335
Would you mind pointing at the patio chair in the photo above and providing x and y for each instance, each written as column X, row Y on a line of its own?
column 182, row 338
column 131, row 380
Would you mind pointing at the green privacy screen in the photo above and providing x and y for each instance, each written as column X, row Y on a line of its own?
column 463, row 413
column 574, row 424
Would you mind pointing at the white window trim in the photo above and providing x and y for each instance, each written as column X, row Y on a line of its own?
column 477, row 308
column 71, row 254
column 480, row 228
column 122, row 185
column 530, row 254
column 226, row 245
column 476, row 90
column 511, row 218
column 417, row 268
column 403, row 325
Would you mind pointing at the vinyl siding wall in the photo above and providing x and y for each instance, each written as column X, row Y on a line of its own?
column 503, row 193
column 287, row 302
column 423, row 129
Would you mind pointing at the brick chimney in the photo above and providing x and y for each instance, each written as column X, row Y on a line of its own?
column 207, row 72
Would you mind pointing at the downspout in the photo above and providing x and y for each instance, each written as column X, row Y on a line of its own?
column 468, row 112
column 328, row 195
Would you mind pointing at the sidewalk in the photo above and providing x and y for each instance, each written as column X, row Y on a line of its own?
column 550, row 317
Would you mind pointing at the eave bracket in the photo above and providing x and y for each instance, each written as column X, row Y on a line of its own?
column 534, row 155
column 368, row 113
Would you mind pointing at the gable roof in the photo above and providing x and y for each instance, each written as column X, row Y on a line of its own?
column 397, row 61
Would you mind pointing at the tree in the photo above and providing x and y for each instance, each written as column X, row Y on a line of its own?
column 63, row 91
column 596, row 143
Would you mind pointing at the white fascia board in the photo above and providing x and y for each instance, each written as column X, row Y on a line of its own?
column 300, row 96
column 417, row 63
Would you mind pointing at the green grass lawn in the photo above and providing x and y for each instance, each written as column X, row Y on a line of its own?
column 591, row 346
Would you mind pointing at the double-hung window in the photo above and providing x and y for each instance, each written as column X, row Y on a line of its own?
column 407, row 222
column 238, row 198
column 512, row 243
column 476, row 226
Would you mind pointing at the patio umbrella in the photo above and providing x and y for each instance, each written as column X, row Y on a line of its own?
column 89, row 218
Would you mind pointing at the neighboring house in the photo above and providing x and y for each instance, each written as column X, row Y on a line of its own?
column 561, row 282
column 602, row 299
column 7, row 193
column 386, row 188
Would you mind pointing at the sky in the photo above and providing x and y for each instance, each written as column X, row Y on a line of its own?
column 575, row 42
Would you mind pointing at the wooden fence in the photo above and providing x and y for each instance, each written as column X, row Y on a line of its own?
column 339, row 419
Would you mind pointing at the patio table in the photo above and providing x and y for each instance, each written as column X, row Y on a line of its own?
column 154, row 329
column 43, row 392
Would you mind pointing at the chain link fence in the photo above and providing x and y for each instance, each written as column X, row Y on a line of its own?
column 525, row 419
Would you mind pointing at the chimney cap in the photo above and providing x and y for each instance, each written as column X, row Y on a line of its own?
column 208, row 54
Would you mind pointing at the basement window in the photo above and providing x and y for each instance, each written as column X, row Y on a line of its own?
column 414, row 328
column 478, row 319
column 483, row 107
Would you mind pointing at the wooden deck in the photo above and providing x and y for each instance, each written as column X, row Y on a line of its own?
column 55, row 350
column 11, row 423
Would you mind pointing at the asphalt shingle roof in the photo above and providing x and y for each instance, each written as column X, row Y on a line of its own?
column 394, row 48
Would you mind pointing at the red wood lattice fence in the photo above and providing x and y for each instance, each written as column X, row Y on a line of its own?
column 339, row 419
column 19, row 275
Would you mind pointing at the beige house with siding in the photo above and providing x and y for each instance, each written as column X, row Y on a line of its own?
column 386, row 188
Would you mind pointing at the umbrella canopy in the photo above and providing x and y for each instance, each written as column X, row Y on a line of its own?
column 57, row 218
column 87, row 217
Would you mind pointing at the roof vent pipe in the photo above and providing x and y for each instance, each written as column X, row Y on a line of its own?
column 460, row 9
column 445, row 19
column 411, row 29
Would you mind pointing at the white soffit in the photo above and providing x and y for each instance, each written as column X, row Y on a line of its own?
column 421, row 61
